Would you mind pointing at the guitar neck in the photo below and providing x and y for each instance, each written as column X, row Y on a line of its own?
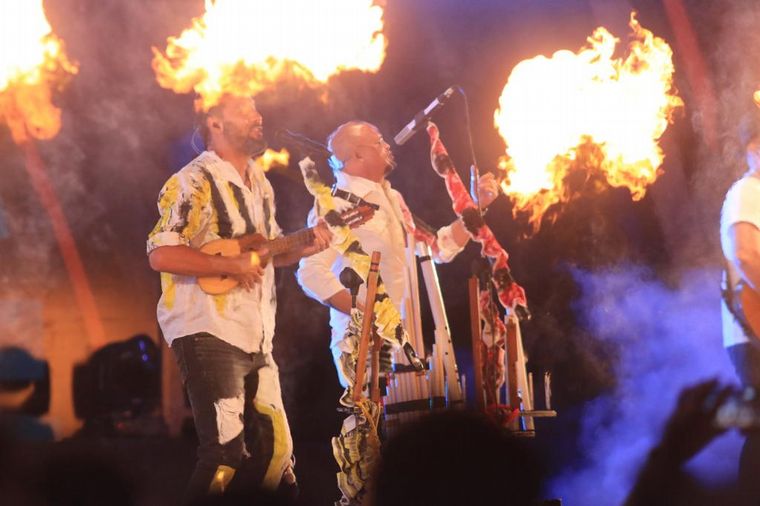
column 352, row 218
column 290, row 242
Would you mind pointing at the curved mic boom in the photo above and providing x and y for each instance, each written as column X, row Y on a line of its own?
column 305, row 145
column 423, row 116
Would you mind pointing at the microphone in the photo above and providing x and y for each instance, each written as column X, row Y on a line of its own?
column 422, row 117
column 306, row 146
column 351, row 280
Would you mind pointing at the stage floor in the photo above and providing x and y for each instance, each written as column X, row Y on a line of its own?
column 154, row 469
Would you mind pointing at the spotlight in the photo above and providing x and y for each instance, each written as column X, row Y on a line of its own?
column 118, row 390
column 24, row 395
column 24, row 383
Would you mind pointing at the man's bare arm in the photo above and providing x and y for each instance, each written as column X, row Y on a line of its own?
column 743, row 251
column 186, row 261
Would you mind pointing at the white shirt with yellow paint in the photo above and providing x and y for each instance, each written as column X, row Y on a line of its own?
column 207, row 200
column 385, row 232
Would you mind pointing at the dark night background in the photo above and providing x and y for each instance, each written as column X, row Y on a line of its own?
column 624, row 294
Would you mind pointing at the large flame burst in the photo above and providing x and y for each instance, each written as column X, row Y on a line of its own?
column 32, row 65
column 271, row 159
column 589, row 111
column 242, row 47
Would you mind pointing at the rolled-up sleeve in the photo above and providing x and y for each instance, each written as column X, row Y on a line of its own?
column 447, row 248
column 182, row 206
column 741, row 205
column 316, row 277
column 315, row 274
column 443, row 245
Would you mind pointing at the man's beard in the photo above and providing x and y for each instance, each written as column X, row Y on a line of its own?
column 254, row 147
column 243, row 141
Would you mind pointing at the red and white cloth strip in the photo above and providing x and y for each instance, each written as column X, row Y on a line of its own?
column 511, row 295
column 419, row 234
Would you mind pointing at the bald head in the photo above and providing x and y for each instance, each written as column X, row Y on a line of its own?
column 358, row 148
column 344, row 139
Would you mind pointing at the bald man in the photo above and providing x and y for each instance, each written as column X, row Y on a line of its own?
column 361, row 160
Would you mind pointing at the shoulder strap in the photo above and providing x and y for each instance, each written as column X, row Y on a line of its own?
column 351, row 198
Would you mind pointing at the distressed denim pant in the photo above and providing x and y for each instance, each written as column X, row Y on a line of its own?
column 746, row 360
column 239, row 416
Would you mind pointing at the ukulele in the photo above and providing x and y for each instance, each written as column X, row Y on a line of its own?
column 217, row 285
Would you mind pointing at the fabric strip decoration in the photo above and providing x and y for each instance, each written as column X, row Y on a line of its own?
column 511, row 295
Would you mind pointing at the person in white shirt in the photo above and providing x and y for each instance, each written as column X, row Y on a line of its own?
column 740, row 241
column 361, row 160
column 223, row 343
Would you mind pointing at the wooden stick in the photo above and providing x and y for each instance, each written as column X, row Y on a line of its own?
column 369, row 313
column 477, row 359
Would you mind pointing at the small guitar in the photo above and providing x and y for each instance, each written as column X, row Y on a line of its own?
column 217, row 285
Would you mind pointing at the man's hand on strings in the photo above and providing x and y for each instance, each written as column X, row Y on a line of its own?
column 322, row 239
column 247, row 269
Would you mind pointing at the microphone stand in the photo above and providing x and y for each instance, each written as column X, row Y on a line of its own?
column 474, row 168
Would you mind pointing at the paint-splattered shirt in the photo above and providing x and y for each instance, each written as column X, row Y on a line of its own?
column 207, row 200
column 387, row 233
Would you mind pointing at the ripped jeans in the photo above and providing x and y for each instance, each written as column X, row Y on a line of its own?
column 239, row 416
column 746, row 360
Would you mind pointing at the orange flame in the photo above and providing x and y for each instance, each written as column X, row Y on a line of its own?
column 30, row 70
column 756, row 96
column 271, row 159
column 241, row 47
column 586, row 111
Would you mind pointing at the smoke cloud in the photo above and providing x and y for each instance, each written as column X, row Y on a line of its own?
column 667, row 336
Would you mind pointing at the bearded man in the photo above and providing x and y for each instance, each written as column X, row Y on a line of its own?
column 223, row 343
